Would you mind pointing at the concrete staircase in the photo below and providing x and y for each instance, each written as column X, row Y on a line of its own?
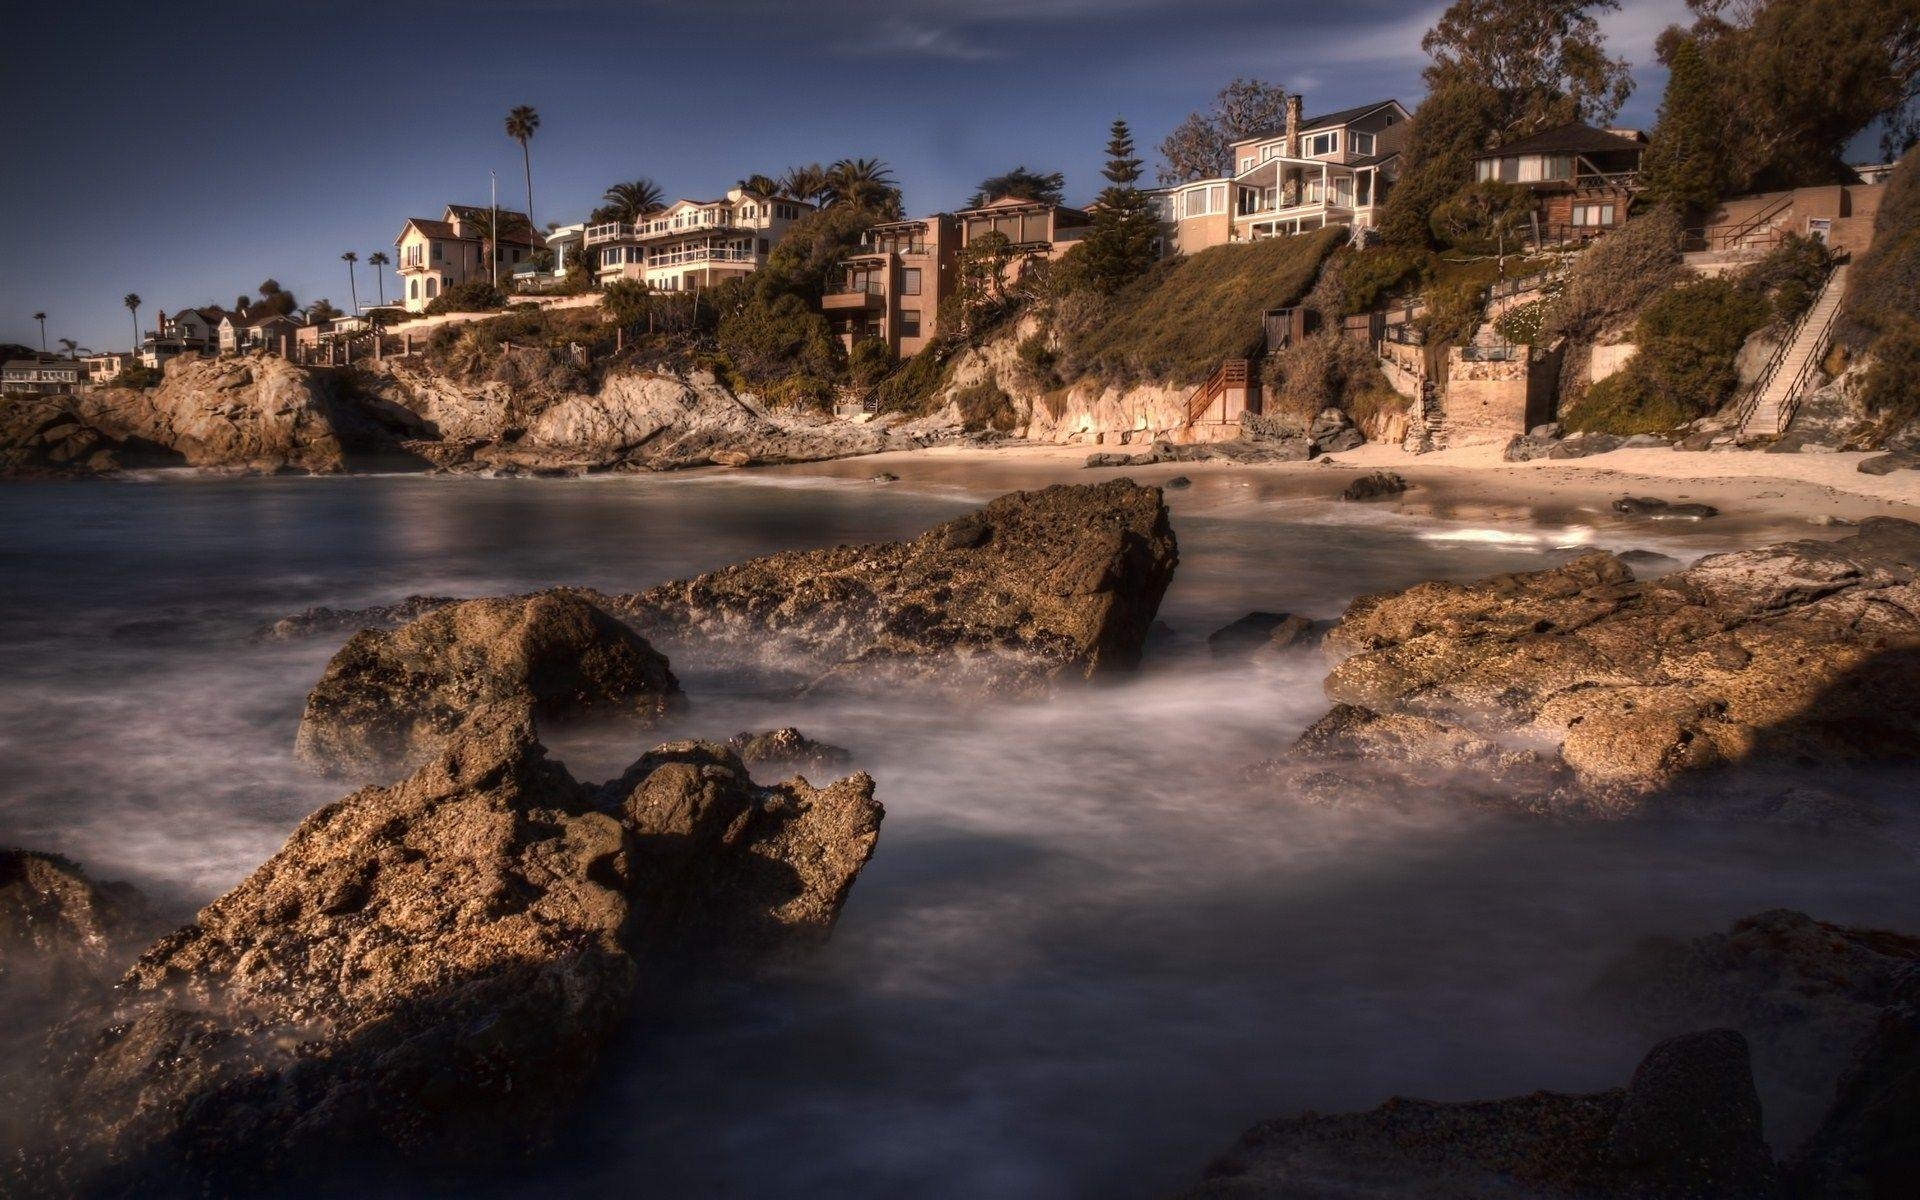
column 1770, row 406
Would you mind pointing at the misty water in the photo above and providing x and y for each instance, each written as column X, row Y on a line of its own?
column 1084, row 956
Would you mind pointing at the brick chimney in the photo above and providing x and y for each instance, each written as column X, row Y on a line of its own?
column 1293, row 125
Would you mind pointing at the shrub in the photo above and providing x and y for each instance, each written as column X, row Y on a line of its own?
column 769, row 339
column 1521, row 323
column 627, row 301
column 475, row 295
column 1482, row 217
column 1616, row 276
column 1688, row 338
column 804, row 392
column 136, row 375
column 1890, row 388
column 1188, row 314
column 986, row 406
column 1369, row 276
column 1625, row 403
column 910, row 390
column 870, row 361
column 1790, row 276
column 1884, row 285
column 1323, row 370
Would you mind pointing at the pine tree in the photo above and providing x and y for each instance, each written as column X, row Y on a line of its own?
column 1121, row 246
column 1686, row 162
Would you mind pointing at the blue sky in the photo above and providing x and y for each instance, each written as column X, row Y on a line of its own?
column 188, row 152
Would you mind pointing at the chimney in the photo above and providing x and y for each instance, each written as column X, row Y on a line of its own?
column 1293, row 125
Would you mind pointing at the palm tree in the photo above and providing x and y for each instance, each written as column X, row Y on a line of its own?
column 482, row 221
column 353, row 283
column 628, row 202
column 42, row 318
column 377, row 260
column 807, row 183
column 132, row 301
column 759, row 187
column 521, row 122
column 862, row 183
column 70, row 346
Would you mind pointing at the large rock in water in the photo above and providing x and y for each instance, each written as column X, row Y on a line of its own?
column 390, row 699
column 58, row 928
column 1035, row 587
column 425, row 973
column 1805, row 652
column 1686, row 1126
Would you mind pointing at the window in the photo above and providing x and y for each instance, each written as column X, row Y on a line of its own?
column 437, row 252
column 610, row 257
column 1592, row 216
column 1322, row 144
column 910, row 281
column 909, row 322
column 1246, row 164
column 1362, row 143
column 433, row 286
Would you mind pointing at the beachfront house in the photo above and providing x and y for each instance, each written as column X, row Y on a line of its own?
column 1582, row 178
column 434, row 255
column 692, row 244
column 187, row 331
column 240, row 332
column 891, row 288
column 1311, row 172
column 43, row 376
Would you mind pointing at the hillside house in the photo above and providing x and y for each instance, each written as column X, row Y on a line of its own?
column 432, row 256
column 892, row 287
column 1582, row 178
column 43, row 376
column 693, row 244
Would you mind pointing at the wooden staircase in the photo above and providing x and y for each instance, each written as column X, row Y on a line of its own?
column 1210, row 402
column 1770, row 403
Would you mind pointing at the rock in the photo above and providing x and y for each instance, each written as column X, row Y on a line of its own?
column 318, row 620
column 40, row 437
column 1654, row 509
column 1552, row 429
column 787, row 749
column 1887, row 464
column 1829, row 519
column 1644, row 441
column 730, row 458
column 1686, row 1126
column 1332, row 431
column 1648, row 558
column 1804, row 992
column 1869, row 1143
column 1244, row 450
column 1034, row 588
column 1701, row 440
column 60, row 930
column 1261, row 634
column 1177, row 482
column 388, row 700
column 885, row 477
column 1110, row 459
column 1529, row 446
column 1582, row 445
column 1806, row 652
column 425, row 974
column 1376, row 486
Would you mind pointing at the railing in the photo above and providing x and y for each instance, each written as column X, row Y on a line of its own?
column 1234, row 372
column 611, row 231
column 869, row 288
column 1751, row 400
column 1538, row 280
column 1607, row 179
column 893, row 248
column 1403, row 333
column 1500, row 351
column 1757, row 231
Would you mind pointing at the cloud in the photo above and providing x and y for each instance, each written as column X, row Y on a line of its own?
column 898, row 35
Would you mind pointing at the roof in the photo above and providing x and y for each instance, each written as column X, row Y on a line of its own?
column 430, row 227
column 1345, row 116
column 1571, row 138
column 41, row 364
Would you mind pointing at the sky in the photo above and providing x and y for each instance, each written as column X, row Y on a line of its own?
column 186, row 153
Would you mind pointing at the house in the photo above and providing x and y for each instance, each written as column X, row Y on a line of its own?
column 563, row 242
column 261, row 331
column 188, row 331
column 693, row 244
column 892, row 287
column 43, row 376
column 1334, row 169
column 432, row 256
column 103, row 369
column 1036, row 228
column 1583, row 178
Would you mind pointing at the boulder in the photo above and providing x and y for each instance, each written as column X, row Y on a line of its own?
column 41, row 437
column 1804, row 992
column 1887, row 464
column 60, row 930
column 1332, row 431
column 1687, row 1125
column 1525, row 447
column 1034, row 588
column 787, row 749
column 1806, row 652
column 425, row 974
column 1868, row 1145
column 1377, row 486
column 1582, row 445
column 1265, row 634
column 1654, row 509
column 321, row 619
column 388, row 700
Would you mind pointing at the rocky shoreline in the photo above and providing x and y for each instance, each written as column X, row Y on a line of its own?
column 425, row 975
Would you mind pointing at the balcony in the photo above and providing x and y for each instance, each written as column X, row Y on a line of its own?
column 610, row 231
column 854, row 297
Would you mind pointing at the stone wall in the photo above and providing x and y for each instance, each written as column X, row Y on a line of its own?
column 1502, row 396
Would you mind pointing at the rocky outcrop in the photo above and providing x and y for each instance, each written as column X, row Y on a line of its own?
column 425, row 974
column 1259, row 636
column 1803, row 652
column 1868, row 1146
column 787, row 749
column 1377, row 486
column 60, row 930
column 1035, row 587
column 41, row 437
column 389, row 699
column 1245, row 451
column 1686, row 1125
column 1652, row 508
column 313, row 622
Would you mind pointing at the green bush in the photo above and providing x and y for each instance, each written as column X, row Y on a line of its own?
column 626, row 301
column 1890, row 388
column 1369, row 276
column 770, row 339
column 1190, row 313
column 804, row 392
column 1790, row 276
column 870, row 361
column 1688, row 338
column 911, row 390
column 986, row 406
column 475, row 295
column 1325, row 370
column 1625, row 403
column 1884, row 284
column 1616, row 276
column 136, row 375
column 1521, row 323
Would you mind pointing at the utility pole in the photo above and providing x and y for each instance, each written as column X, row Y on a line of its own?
column 493, row 241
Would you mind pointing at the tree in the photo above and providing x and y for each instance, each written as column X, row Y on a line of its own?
column 522, row 121
column 627, row 301
column 629, row 202
column 807, row 183
column 377, row 260
column 1120, row 248
column 483, row 222
column 1685, row 163
column 353, row 281
column 980, row 284
column 273, row 299
column 69, row 346
column 1021, row 184
column 1201, row 147
column 42, row 318
column 865, row 183
column 1454, row 123
column 132, row 301
column 1544, row 62
column 322, row 310
column 759, row 187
